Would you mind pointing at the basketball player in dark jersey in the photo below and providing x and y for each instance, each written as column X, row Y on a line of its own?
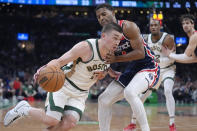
column 190, row 54
column 141, row 74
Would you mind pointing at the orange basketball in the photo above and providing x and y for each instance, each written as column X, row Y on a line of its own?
column 51, row 78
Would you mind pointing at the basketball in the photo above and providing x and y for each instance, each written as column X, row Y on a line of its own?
column 51, row 78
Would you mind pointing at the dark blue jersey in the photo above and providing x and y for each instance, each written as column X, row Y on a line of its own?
column 135, row 66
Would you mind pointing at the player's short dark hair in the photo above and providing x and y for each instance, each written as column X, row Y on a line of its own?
column 110, row 27
column 105, row 5
column 187, row 16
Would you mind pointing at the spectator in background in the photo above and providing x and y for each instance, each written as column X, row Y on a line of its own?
column 194, row 91
column 28, row 91
column 178, row 93
column 17, row 86
column 8, row 92
column 190, row 53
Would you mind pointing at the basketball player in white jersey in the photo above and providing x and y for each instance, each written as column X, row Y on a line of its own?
column 190, row 54
column 65, row 107
column 155, row 40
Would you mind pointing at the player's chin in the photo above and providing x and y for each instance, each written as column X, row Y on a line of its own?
column 186, row 30
column 104, row 23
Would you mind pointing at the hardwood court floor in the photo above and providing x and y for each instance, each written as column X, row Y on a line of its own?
column 186, row 119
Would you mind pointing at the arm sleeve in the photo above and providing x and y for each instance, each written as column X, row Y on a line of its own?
column 182, row 58
column 164, row 59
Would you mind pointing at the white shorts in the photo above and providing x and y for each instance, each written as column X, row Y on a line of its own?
column 166, row 73
column 152, row 76
column 67, row 98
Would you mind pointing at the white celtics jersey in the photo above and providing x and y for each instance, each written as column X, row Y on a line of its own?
column 82, row 73
column 156, row 48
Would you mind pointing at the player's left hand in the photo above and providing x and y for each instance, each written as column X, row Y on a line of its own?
column 110, row 58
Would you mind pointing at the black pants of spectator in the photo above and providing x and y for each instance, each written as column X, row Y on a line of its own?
column 7, row 95
column 17, row 91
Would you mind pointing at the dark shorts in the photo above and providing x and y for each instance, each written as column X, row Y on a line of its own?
column 132, row 69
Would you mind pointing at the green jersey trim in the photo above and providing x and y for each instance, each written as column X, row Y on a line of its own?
column 73, row 109
column 97, row 47
column 52, row 104
column 74, row 85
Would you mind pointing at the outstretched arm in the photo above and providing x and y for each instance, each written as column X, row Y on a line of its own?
column 183, row 58
column 77, row 51
column 188, row 56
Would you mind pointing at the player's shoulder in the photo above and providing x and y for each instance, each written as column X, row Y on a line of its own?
column 84, row 45
column 129, row 24
column 165, row 33
column 82, row 48
column 168, row 36
column 193, row 39
column 92, row 40
column 86, row 42
column 168, row 39
column 194, row 35
column 130, row 29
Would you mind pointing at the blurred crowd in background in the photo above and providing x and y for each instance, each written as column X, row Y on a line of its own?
column 53, row 30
